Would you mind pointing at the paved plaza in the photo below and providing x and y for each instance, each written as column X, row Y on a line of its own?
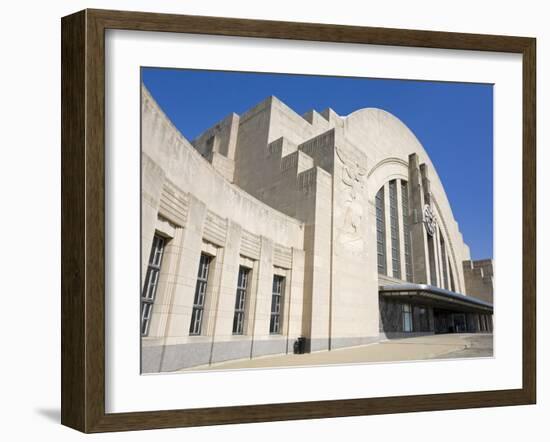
column 445, row 346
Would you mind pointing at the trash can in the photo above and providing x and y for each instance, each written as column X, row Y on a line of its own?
column 300, row 346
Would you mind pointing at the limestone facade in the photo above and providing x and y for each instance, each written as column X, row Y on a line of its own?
column 272, row 226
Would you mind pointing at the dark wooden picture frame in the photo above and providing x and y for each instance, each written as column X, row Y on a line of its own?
column 83, row 220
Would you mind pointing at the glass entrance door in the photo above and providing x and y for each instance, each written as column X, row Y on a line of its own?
column 459, row 322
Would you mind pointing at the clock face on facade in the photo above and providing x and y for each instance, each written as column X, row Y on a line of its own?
column 429, row 219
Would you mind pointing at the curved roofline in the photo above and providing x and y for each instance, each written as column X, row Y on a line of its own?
column 426, row 157
column 364, row 110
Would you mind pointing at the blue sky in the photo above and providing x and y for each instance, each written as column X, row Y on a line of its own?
column 453, row 121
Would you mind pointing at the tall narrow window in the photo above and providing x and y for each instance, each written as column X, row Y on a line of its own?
column 452, row 277
column 406, row 231
column 444, row 261
column 394, row 229
column 381, row 232
column 407, row 318
column 200, row 295
column 151, row 283
column 431, row 257
column 240, row 301
column 276, row 304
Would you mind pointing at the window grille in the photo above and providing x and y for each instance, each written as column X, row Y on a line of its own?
column 406, row 232
column 276, row 304
column 151, row 283
column 381, row 232
column 240, row 301
column 197, row 314
column 394, row 231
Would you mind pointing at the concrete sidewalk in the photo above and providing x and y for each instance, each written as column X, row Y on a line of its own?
column 409, row 349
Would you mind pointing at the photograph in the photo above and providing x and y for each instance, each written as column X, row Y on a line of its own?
column 275, row 221
column 305, row 220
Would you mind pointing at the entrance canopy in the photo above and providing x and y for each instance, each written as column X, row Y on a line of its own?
column 436, row 297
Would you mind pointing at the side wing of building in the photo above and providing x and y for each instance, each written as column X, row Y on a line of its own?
column 214, row 259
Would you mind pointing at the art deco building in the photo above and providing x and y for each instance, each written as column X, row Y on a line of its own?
column 271, row 226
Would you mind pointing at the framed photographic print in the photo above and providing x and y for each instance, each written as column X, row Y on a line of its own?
column 270, row 220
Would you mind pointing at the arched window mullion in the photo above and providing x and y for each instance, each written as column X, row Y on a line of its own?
column 381, row 232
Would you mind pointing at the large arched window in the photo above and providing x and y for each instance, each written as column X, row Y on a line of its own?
column 395, row 238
